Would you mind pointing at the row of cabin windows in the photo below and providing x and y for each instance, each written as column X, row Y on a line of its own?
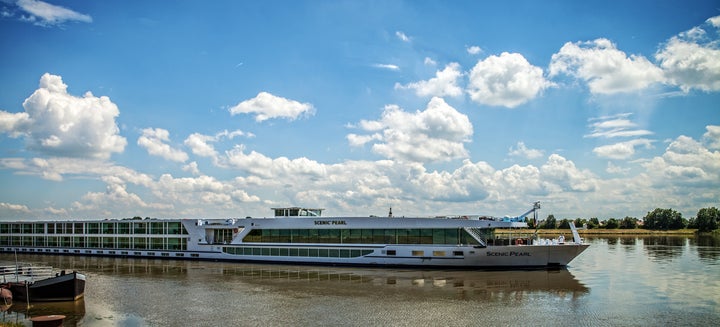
column 140, row 243
column 164, row 254
column 298, row 252
column 451, row 236
column 114, row 227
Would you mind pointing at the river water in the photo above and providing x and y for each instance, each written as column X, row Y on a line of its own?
column 628, row 281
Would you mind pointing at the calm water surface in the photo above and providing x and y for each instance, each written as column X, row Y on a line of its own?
column 617, row 281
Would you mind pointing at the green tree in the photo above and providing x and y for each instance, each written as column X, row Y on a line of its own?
column 708, row 219
column 564, row 224
column 629, row 223
column 593, row 223
column 664, row 219
column 530, row 222
column 550, row 222
column 612, row 223
column 579, row 222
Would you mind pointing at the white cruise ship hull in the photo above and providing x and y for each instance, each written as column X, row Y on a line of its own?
column 362, row 241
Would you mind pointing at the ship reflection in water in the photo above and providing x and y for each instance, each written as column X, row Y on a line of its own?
column 435, row 283
column 152, row 292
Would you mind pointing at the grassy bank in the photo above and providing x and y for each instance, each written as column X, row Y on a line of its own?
column 603, row 232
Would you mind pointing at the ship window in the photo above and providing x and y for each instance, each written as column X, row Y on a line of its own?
column 157, row 228
column 194, row 255
column 93, row 228
column 157, row 244
column 391, row 252
column 174, row 227
column 123, row 242
column 108, row 242
column 123, row 227
column 438, row 253
column 457, row 253
column 139, row 243
column 139, row 228
column 108, row 228
column 417, row 253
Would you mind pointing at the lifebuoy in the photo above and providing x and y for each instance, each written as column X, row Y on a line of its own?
column 519, row 242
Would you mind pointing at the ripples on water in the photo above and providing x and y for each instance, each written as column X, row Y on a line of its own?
column 618, row 281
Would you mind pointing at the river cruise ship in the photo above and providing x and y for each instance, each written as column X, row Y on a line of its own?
column 302, row 236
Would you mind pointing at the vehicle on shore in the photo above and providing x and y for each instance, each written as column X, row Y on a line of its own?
column 302, row 236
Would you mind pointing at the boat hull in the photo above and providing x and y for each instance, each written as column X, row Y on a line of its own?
column 492, row 257
column 66, row 287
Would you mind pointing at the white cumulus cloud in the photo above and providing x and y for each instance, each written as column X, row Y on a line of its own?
column 521, row 150
column 606, row 69
column 473, row 50
column 565, row 174
column 153, row 140
column 436, row 134
column 267, row 106
column 445, row 83
column 686, row 163
column 60, row 124
column 621, row 150
column 712, row 137
column 691, row 59
column 507, row 80
column 13, row 207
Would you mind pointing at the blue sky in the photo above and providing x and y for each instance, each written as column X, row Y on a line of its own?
column 112, row 109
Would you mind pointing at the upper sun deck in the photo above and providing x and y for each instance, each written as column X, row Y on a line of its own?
column 297, row 212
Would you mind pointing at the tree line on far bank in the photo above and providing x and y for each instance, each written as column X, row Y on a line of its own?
column 706, row 220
